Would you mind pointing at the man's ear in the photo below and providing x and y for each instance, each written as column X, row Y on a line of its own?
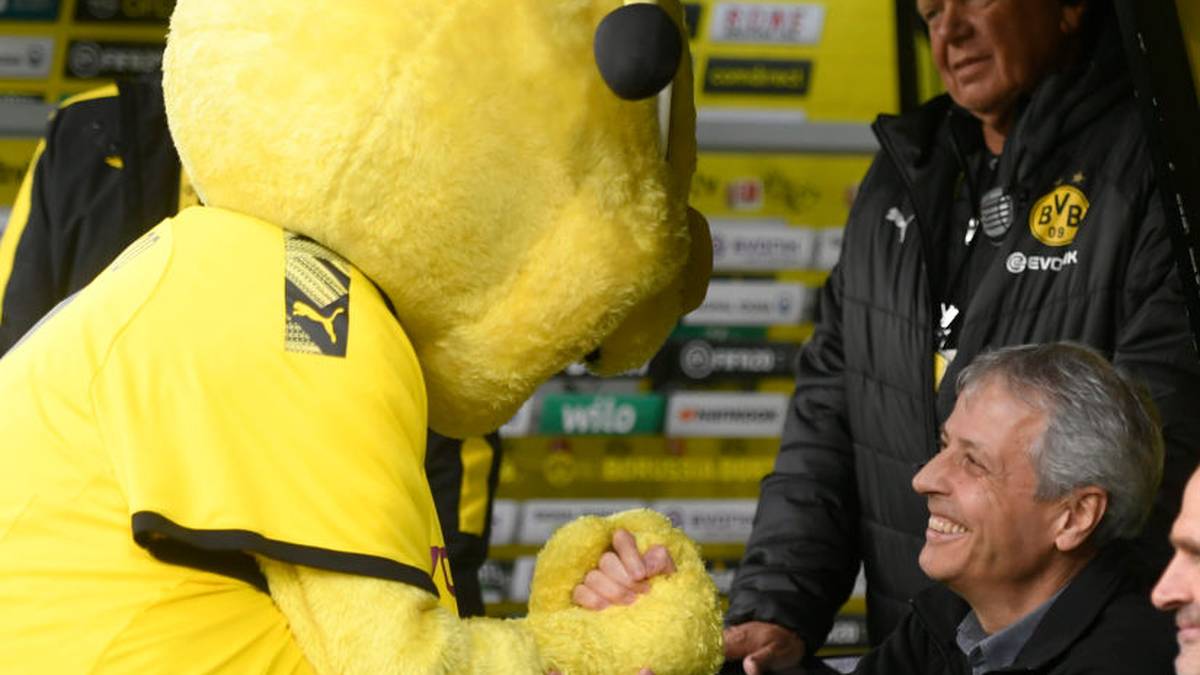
column 1082, row 510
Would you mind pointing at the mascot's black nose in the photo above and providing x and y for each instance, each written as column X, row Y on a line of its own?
column 638, row 48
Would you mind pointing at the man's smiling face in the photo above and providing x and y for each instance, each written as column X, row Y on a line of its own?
column 986, row 528
column 1179, row 588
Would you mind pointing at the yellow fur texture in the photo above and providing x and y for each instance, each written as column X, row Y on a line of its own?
column 675, row 629
column 468, row 157
column 350, row 624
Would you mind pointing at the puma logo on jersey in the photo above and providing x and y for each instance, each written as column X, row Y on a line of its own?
column 897, row 218
column 316, row 298
column 306, row 311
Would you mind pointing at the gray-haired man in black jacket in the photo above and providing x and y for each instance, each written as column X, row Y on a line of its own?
column 1048, row 467
column 1031, row 214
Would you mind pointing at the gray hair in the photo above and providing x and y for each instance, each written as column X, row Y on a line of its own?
column 1102, row 429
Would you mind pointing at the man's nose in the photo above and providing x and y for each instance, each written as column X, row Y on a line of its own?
column 926, row 479
column 1171, row 591
column 952, row 24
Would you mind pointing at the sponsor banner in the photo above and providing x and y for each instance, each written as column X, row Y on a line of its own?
column 810, row 190
column 32, row 10
column 521, row 423
column 26, row 57
column 125, row 11
column 751, row 303
column 87, row 59
column 780, row 24
column 505, row 517
column 711, row 521
column 766, row 247
column 620, row 467
column 700, row 360
column 710, row 474
column 726, row 415
column 825, row 62
column 522, row 577
column 765, row 77
column 541, row 517
column 587, row 415
column 829, row 247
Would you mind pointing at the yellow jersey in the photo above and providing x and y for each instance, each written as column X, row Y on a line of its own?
column 224, row 389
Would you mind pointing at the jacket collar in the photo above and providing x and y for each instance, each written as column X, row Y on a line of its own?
column 1067, row 620
column 1071, row 616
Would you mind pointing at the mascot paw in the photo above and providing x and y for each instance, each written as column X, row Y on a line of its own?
column 675, row 628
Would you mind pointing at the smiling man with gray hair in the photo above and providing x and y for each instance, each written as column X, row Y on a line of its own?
column 1049, row 463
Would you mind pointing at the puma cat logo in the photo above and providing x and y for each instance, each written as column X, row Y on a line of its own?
column 302, row 309
column 897, row 218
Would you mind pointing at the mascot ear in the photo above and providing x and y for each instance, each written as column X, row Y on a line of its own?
column 638, row 49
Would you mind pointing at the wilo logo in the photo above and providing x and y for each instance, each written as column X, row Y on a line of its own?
column 1018, row 262
column 579, row 414
column 603, row 416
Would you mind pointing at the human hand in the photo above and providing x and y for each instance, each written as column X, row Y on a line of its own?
column 763, row 646
column 621, row 574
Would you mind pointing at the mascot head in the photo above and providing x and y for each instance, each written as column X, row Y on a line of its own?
column 513, row 174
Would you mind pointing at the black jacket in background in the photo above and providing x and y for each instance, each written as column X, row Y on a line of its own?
column 1103, row 623
column 108, row 173
column 865, row 412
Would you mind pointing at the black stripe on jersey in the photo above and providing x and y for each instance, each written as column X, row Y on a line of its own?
column 227, row 552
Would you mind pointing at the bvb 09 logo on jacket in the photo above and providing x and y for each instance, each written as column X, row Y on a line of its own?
column 1055, row 218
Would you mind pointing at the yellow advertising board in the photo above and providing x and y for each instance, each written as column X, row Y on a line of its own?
column 827, row 61
column 812, row 190
column 634, row 467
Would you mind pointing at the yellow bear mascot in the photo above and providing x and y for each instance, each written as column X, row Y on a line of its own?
column 416, row 211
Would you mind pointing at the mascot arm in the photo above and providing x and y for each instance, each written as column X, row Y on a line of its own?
column 352, row 624
column 355, row 624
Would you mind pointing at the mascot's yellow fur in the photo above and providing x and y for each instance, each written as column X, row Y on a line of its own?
column 236, row 387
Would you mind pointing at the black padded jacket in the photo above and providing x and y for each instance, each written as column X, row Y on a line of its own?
column 866, row 413
column 1102, row 624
